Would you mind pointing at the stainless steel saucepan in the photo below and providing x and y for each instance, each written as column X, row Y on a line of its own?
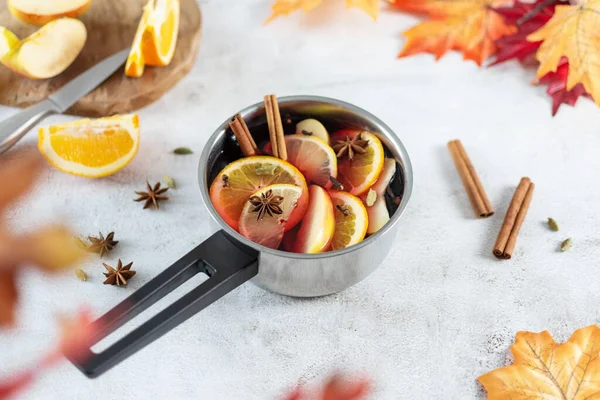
column 229, row 259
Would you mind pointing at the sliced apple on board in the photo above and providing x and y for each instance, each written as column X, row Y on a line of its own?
column 46, row 52
column 156, row 37
column 40, row 12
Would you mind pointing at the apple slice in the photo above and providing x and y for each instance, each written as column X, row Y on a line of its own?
column 312, row 127
column 378, row 215
column 318, row 224
column 8, row 41
column 49, row 51
column 40, row 12
column 378, row 212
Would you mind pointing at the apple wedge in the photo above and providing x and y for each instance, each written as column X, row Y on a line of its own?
column 40, row 12
column 47, row 52
column 8, row 41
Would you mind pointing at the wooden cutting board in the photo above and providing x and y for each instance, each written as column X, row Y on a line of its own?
column 111, row 25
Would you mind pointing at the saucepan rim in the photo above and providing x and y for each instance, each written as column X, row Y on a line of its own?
column 382, row 129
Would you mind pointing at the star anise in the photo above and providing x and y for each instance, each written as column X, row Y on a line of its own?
column 350, row 146
column 266, row 204
column 152, row 196
column 101, row 244
column 118, row 276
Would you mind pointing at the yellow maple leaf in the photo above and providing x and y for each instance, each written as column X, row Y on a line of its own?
column 285, row 7
column 572, row 32
column 470, row 26
column 544, row 369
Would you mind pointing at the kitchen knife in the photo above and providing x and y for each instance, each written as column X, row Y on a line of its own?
column 16, row 126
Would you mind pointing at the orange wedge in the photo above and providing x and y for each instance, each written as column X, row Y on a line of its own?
column 313, row 157
column 156, row 37
column 351, row 220
column 234, row 185
column 318, row 224
column 267, row 228
column 360, row 173
column 91, row 148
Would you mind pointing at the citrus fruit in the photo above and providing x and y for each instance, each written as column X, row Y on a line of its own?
column 156, row 37
column 265, row 214
column 312, row 127
column 358, row 174
column 232, row 187
column 351, row 219
column 318, row 225
column 91, row 148
column 39, row 12
column 313, row 157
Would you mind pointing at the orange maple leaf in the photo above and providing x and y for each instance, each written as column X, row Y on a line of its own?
column 470, row 26
column 285, row 7
column 544, row 369
column 572, row 32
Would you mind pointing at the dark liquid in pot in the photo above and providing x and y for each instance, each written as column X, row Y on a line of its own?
column 260, row 132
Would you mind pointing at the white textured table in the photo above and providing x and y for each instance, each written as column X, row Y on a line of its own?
column 436, row 314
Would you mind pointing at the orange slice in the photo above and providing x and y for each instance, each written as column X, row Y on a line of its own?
column 156, row 37
column 360, row 173
column 313, row 157
column 264, row 227
column 351, row 220
column 234, row 185
column 318, row 224
column 91, row 148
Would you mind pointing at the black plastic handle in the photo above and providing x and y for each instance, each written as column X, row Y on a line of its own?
column 228, row 264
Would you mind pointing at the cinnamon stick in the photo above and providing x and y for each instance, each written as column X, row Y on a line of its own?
column 243, row 136
column 507, row 238
column 276, row 132
column 477, row 196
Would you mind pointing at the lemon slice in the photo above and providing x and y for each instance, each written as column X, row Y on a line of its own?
column 351, row 220
column 91, row 148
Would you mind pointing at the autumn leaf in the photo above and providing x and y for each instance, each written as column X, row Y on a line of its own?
column 76, row 334
column 336, row 388
column 470, row 26
column 528, row 19
column 285, row 7
column 557, row 87
column 51, row 248
column 544, row 369
column 573, row 32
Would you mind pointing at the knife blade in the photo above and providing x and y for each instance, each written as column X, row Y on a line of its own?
column 87, row 81
column 16, row 126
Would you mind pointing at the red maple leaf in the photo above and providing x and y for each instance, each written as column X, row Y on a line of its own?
column 528, row 18
column 557, row 85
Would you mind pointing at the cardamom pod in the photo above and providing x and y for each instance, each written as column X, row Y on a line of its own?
column 170, row 182
column 183, row 150
column 552, row 224
column 371, row 197
column 81, row 275
column 80, row 243
column 566, row 245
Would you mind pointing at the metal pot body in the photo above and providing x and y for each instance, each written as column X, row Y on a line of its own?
column 311, row 275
